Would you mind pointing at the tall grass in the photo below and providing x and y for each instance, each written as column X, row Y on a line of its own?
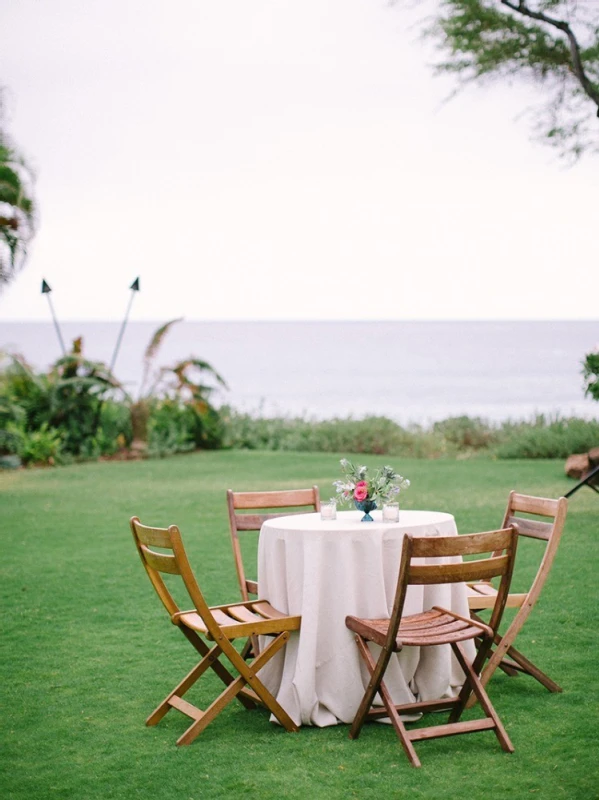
column 542, row 437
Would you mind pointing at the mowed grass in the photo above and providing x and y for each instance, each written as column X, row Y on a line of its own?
column 87, row 650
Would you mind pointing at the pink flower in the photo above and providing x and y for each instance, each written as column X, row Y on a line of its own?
column 361, row 491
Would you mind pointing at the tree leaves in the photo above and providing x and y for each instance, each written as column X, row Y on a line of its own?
column 17, row 209
column 551, row 43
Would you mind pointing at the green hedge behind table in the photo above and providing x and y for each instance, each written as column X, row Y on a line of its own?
column 541, row 437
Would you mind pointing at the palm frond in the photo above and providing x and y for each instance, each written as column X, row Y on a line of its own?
column 153, row 348
column 182, row 367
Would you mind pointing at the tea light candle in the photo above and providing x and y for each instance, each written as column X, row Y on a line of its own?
column 391, row 512
column 328, row 510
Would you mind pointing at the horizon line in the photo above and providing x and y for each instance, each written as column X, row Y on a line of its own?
column 246, row 320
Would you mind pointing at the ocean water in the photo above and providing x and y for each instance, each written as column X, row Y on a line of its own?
column 409, row 371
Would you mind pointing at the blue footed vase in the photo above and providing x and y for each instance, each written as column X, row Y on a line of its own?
column 367, row 506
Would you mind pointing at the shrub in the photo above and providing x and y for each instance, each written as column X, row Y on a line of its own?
column 179, row 397
column 455, row 436
column 114, row 431
column 590, row 371
column 543, row 438
column 170, row 428
column 207, row 426
column 12, row 422
column 244, row 432
column 68, row 399
column 467, row 432
column 43, row 446
column 377, row 435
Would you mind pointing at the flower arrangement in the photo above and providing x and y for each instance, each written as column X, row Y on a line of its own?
column 356, row 486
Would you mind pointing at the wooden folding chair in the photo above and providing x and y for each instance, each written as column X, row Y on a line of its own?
column 482, row 595
column 435, row 627
column 286, row 501
column 219, row 624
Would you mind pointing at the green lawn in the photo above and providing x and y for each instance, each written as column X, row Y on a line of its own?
column 87, row 650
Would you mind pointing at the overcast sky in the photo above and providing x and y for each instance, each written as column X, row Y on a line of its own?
column 281, row 159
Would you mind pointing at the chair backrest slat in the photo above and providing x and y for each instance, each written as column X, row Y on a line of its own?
column 533, row 528
column 528, row 504
column 253, row 522
column 161, row 562
column 155, row 537
column 464, row 545
column 480, row 570
column 278, row 499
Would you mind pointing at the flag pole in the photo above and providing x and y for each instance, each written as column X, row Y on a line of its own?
column 46, row 290
column 134, row 288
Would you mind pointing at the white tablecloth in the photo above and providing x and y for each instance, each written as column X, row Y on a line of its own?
column 325, row 570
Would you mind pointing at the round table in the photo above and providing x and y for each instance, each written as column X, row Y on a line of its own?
column 327, row 569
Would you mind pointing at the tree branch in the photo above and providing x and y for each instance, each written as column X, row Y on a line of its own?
column 521, row 8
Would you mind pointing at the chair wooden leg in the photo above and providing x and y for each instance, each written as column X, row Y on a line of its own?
column 186, row 684
column 504, row 666
column 476, row 686
column 466, row 698
column 247, row 651
column 510, row 671
column 204, row 718
column 376, row 675
column 377, row 684
column 209, row 661
column 248, row 672
column 503, row 648
column 400, row 728
column 220, row 669
column 527, row 667
column 497, row 659
column 248, row 676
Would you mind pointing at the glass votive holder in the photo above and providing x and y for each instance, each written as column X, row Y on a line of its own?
column 328, row 509
column 391, row 512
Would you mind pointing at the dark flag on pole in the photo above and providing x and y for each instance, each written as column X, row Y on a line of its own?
column 135, row 285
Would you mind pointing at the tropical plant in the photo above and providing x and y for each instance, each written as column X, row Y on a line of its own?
column 17, row 208
column 12, row 427
column 170, row 428
column 66, row 401
column 590, row 371
column 190, row 384
column 77, row 389
column 43, row 446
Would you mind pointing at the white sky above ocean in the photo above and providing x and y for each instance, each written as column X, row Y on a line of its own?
column 278, row 159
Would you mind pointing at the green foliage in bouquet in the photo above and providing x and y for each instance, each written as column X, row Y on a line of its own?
column 357, row 486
